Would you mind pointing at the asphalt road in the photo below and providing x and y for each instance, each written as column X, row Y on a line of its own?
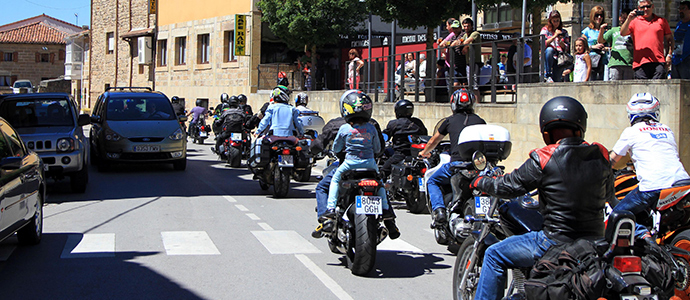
column 210, row 232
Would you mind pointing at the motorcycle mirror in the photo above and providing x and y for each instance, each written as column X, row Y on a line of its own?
column 385, row 136
column 479, row 160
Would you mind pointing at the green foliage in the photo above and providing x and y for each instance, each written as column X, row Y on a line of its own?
column 419, row 13
column 311, row 22
column 531, row 4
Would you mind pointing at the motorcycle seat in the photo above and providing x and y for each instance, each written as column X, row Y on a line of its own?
column 360, row 173
column 274, row 138
column 465, row 165
column 680, row 183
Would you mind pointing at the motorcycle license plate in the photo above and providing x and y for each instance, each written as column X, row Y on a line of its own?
column 147, row 148
column 236, row 137
column 481, row 205
column 285, row 160
column 421, row 185
column 203, row 134
column 635, row 297
column 368, row 205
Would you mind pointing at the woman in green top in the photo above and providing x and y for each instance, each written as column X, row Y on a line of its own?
column 620, row 64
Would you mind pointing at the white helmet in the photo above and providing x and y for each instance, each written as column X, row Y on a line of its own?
column 643, row 105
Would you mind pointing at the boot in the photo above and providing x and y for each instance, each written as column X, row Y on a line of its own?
column 389, row 222
column 326, row 225
column 440, row 216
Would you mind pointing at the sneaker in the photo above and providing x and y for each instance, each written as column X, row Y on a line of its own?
column 393, row 231
column 548, row 79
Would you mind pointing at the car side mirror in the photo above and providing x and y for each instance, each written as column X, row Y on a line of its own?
column 182, row 118
column 83, row 120
column 11, row 163
column 95, row 119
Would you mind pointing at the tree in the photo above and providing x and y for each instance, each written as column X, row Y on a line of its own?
column 311, row 23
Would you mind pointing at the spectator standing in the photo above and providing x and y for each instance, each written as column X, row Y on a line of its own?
column 512, row 61
column 353, row 69
column 583, row 63
column 597, row 50
column 460, row 66
column 557, row 40
column 422, row 70
column 681, row 62
column 620, row 64
column 304, row 63
column 445, row 42
column 471, row 36
column 442, row 86
column 652, row 37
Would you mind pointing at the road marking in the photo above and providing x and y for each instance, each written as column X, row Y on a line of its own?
column 241, row 207
column 230, row 199
column 188, row 243
column 265, row 226
column 397, row 245
column 89, row 245
column 253, row 217
column 284, row 242
column 323, row 277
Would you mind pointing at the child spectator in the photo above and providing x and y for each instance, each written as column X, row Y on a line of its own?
column 583, row 63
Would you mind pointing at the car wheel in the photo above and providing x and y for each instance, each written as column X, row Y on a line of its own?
column 31, row 233
column 180, row 165
column 79, row 180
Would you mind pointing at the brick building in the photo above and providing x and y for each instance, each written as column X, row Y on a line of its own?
column 33, row 49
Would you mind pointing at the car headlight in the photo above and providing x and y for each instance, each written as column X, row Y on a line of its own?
column 112, row 136
column 65, row 145
column 177, row 135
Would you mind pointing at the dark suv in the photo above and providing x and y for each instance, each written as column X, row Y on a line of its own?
column 133, row 125
column 50, row 125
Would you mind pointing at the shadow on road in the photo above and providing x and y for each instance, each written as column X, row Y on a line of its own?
column 38, row 272
column 399, row 264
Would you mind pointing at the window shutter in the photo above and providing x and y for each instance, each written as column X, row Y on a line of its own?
column 52, row 58
column 15, row 56
column 13, row 78
column 2, row 56
column 61, row 55
column 38, row 57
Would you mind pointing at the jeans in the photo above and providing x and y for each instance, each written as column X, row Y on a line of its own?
column 518, row 251
column 637, row 202
column 322, row 192
column 549, row 61
column 439, row 178
column 682, row 70
column 349, row 164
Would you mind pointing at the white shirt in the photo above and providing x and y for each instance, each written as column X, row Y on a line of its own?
column 654, row 153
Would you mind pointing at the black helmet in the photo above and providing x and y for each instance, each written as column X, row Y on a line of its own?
column 301, row 99
column 199, row 102
column 404, row 109
column 233, row 102
column 563, row 112
column 280, row 94
column 242, row 99
column 355, row 104
column 461, row 100
column 175, row 99
column 224, row 98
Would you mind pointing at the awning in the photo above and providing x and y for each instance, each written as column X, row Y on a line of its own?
column 137, row 33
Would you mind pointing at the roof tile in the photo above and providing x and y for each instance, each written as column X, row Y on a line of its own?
column 34, row 33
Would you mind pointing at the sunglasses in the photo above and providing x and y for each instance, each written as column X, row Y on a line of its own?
column 598, row 16
column 646, row 6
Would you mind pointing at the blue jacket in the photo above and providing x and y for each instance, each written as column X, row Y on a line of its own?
column 358, row 141
column 282, row 119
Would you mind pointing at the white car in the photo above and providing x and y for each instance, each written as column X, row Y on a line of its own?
column 21, row 85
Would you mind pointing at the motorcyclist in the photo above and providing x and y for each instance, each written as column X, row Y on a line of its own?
column 574, row 180
column 654, row 153
column 178, row 106
column 360, row 140
column 399, row 130
column 197, row 113
column 231, row 120
column 244, row 106
column 280, row 117
column 461, row 103
column 301, row 101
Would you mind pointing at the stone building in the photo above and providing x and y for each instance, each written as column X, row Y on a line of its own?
column 33, row 49
column 117, row 28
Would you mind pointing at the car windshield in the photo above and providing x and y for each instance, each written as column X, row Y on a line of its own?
column 37, row 112
column 21, row 84
column 135, row 109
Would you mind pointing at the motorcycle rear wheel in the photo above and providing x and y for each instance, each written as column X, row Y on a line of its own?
column 361, row 253
column 303, row 176
column 281, row 182
column 461, row 261
column 682, row 241
column 415, row 203
column 234, row 157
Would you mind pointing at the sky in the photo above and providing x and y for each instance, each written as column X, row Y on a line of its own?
column 16, row 10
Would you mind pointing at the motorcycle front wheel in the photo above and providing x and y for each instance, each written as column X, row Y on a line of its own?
column 461, row 267
column 361, row 252
column 682, row 241
column 281, row 182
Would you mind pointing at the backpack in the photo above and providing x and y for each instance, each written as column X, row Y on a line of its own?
column 567, row 271
column 233, row 120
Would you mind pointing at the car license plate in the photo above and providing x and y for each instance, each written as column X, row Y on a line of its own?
column 236, row 137
column 203, row 134
column 285, row 160
column 481, row 205
column 147, row 148
column 422, row 188
column 368, row 205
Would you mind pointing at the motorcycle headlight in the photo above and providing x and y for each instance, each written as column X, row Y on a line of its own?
column 65, row 145
column 177, row 135
column 112, row 136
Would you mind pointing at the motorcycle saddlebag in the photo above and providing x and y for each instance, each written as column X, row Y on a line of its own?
column 398, row 175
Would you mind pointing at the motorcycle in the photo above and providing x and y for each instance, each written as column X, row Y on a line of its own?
column 407, row 178
column 507, row 217
column 234, row 148
column 495, row 142
column 668, row 222
column 313, row 125
column 278, row 160
column 199, row 131
column 358, row 221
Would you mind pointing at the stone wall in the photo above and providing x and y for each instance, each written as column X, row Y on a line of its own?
column 27, row 67
column 604, row 102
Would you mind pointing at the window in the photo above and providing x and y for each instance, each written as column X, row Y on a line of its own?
column 180, row 50
column 45, row 57
column 14, row 141
column 7, row 80
column 203, row 47
column 229, row 46
column 162, row 53
column 497, row 14
column 110, row 42
column 9, row 56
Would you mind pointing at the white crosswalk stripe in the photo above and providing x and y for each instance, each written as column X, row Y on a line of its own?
column 284, row 242
column 89, row 245
column 188, row 243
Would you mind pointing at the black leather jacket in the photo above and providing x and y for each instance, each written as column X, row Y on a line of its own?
column 574, row 180
column 400, row 129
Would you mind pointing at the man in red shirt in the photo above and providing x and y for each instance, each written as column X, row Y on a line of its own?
column 653, row 41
